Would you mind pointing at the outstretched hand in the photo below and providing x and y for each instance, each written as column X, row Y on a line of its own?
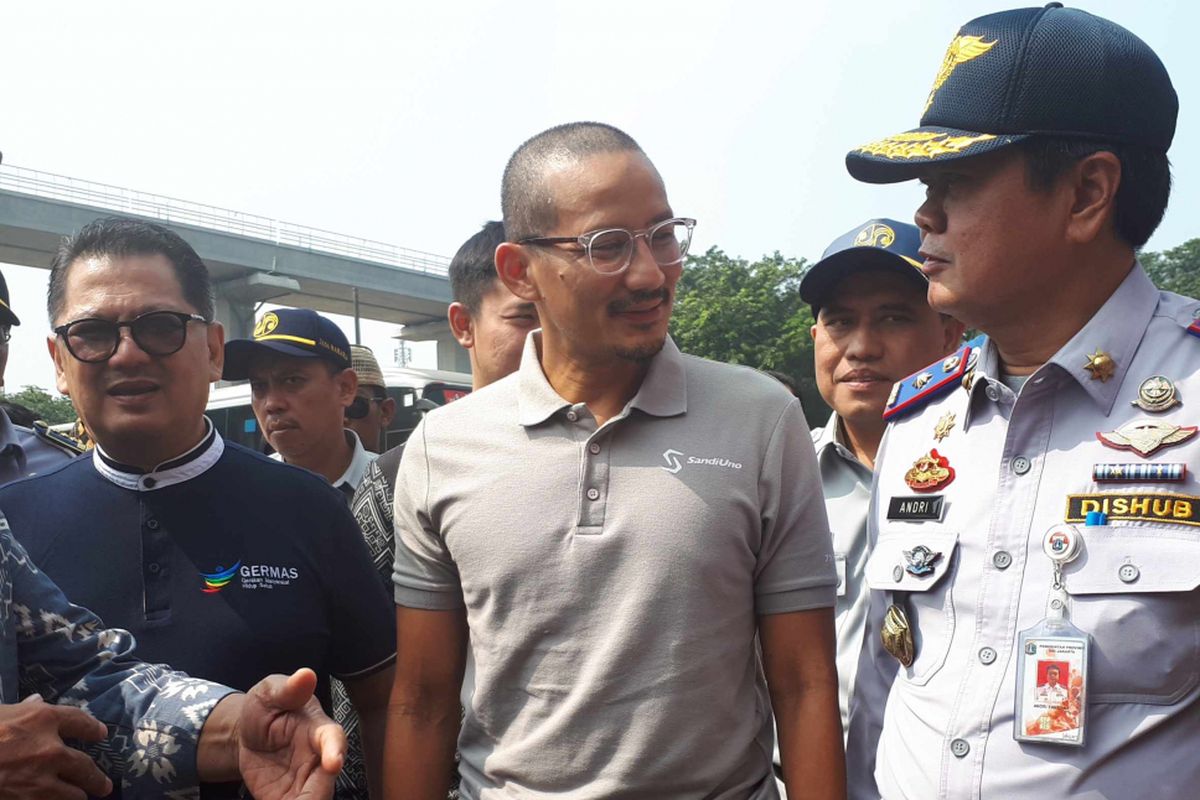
column 288, row 749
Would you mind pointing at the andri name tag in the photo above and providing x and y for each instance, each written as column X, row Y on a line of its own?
column 916, row 509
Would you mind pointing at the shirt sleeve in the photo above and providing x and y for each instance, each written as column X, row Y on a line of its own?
column 154, row 715
column 363, row 621
column 372, row 509
column 877, row 671
column 796, row 569
column 425, row 575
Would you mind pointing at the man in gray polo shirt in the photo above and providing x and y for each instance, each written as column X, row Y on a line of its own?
column 597, row 540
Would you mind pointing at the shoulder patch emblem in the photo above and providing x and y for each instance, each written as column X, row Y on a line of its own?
column 68, row 444
column 932, row 381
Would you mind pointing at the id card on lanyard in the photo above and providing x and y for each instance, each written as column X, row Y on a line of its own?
column 1052, row 661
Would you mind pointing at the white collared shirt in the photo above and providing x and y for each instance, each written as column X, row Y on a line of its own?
column 352, row 477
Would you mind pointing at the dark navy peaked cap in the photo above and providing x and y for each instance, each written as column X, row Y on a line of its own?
column 882, row 244
column 1031, row 71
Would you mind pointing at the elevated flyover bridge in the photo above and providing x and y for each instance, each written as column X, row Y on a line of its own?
column 252, row 259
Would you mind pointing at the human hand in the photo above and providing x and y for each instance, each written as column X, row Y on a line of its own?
column 34, row 760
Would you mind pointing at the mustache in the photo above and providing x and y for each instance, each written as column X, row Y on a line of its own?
column 638, row 299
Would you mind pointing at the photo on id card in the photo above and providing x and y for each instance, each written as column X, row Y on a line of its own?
column 1052, row 690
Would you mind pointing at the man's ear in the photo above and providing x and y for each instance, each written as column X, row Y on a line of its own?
column 57, row 354
column 387, row 410
column 347, row 385
column 216, row 350
column 461, row 324
column 1096, row 180
column 513, row 268
column 952, row 333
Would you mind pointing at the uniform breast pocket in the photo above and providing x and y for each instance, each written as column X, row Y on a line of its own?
column 915, row 567
column 1134, row 590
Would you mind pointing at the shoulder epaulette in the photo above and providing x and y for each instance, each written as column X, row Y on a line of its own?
column 1194, row 328
column 933, row 381
column 68, row 444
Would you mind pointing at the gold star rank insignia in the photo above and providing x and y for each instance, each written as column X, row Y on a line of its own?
column 1100, row 365
column 944, row 426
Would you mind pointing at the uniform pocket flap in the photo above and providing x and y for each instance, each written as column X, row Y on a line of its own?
column 910, row 561
column 1125, row 559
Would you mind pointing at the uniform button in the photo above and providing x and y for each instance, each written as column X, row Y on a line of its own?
column 1020, row 465
column 152, row 524
column 593, row 494
column 960, row 748
column 1128, row 573
column 154, row 568
column 897, row 573
column 987, row 655
column 572, row 416
column 149, row 483
column 992, row 393
column 1002, row 559
column 593, row 448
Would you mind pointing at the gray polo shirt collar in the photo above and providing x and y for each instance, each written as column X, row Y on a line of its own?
column 831, row 439
column 663, row 392
column 1116, row 329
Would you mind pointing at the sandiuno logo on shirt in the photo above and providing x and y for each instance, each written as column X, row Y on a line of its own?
column 674, row 464
column 1177, row 509
column 253, row 576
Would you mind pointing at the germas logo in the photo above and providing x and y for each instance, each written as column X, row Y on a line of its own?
column 676, row 461
column 253, row 576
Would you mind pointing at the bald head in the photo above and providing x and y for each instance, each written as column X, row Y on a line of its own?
column 525, row 198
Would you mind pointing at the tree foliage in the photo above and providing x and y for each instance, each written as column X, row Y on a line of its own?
column 54, row 410
column 1177, row 269
column 730, row 309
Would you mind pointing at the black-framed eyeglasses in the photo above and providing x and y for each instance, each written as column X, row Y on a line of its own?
column 361, row 406
column 610, row 250
column 158, row 333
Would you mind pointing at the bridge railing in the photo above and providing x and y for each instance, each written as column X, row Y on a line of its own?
column 185, row 212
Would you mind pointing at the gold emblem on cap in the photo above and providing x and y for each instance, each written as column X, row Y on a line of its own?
column 922, row 144
column 961, row 50
column 897, row 635
column 268, row 323
column 1156, row 394
column 1100, row 365
column 875, row 235
column 944, row 426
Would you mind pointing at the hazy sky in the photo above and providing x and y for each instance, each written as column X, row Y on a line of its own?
column 394, row 120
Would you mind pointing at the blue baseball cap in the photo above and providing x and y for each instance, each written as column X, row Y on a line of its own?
column 1049, row 71
column 295, row 332
column 877, row 244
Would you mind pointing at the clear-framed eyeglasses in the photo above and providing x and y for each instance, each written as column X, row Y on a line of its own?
column 610, row 250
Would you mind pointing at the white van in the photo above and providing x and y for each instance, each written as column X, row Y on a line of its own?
column 414, row 390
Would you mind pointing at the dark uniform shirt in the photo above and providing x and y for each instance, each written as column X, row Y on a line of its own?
column 24, row 452
column 221, row 562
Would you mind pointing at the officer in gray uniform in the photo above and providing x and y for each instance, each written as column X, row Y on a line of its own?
column 25, row 451
column 1035, row 523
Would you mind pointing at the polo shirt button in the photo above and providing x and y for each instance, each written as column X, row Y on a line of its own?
column 992, row 393
column 149, row 483
column 593, row 494
column 987, row 655
column 594, row 448
column 1002, row 559
column 1021, row 465
column 152, row 524
column 960, row 748
column 572, row 416
column 1128, row 573
column 154, row 568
